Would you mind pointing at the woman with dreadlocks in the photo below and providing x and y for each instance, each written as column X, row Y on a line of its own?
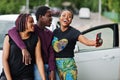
column 13, row 66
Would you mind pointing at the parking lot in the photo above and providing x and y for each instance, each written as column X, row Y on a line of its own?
column 95, row 20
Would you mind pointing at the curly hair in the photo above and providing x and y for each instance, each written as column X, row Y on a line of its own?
column 41, row 11
column 21, row 22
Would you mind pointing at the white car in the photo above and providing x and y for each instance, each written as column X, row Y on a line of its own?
column 84, row 13
column 102, row 63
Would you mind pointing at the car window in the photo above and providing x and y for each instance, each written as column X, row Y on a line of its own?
column 4, row 27
column 107, row 36
column 7, row 23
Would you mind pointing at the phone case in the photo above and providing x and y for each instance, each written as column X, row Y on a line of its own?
column 98, row 39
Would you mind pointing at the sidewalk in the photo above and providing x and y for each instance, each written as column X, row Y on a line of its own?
column 95, row 20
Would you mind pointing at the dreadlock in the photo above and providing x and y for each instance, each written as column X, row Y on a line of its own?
column 21, row 22
column 41, row 11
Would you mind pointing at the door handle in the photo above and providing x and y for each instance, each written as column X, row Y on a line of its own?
column 108, row 57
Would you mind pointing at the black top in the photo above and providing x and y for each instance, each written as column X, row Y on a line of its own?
column 17, row 68
column 69, row 38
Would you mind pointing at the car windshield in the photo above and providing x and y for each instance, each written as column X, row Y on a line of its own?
column 4, row 27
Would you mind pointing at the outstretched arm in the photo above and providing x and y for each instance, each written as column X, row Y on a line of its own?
column 86, row 41
column 17, row 39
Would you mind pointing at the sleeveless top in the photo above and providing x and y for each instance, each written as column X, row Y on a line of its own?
column 17, row 68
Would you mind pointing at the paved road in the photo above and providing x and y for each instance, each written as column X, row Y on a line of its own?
column 83, row 24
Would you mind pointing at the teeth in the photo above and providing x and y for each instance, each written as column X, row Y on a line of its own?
column 65, row 20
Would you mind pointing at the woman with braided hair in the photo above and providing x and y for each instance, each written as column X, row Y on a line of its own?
column 13, row 66
column 44, row 18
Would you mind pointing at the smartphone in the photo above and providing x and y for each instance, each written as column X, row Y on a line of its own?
column 98, row 39
column 98, row 36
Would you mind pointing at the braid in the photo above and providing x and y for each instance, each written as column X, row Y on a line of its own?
column 17, row 21
column 21, row 22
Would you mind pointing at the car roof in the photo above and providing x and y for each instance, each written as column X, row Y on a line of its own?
column 9, row 17
column 12, row 17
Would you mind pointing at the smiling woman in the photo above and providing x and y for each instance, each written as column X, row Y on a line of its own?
column 103, row 62
column 13, row 67
column 7, row 22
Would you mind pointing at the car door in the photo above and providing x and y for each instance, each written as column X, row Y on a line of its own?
column 102, row 63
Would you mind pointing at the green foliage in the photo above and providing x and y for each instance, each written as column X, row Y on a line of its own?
column 113, row 7
column 92, row 4
column 13, row 6
column 9, row 6
column 2, row 7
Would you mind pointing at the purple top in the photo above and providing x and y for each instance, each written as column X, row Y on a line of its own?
column 46, row 44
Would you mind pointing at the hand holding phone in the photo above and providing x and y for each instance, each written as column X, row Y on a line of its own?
column 99, row 40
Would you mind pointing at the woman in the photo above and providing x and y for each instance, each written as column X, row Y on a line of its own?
column 13, row 66
column 64, row 42
column 44, row 18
